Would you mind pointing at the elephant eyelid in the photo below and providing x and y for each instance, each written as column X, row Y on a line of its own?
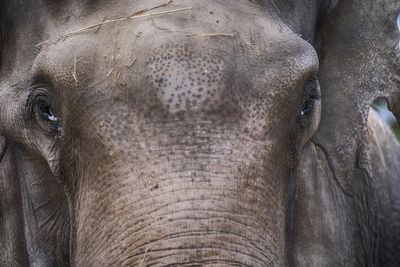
column 34, row 92
column 310, row 96
column 311, row 89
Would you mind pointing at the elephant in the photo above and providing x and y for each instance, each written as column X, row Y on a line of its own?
column 198, row 133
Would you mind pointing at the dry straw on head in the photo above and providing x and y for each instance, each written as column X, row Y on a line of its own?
column 135, row 16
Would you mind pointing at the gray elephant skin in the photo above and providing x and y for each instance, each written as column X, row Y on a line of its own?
column 198, row 133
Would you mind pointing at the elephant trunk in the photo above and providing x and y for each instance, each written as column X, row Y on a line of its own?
column 187, row 216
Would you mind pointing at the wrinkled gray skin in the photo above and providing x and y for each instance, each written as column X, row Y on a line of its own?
column 171, row 149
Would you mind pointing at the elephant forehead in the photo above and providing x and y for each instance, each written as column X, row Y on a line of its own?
column 173, row 71
column 184, row 79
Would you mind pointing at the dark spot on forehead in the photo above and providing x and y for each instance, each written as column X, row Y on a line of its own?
column 178, row 68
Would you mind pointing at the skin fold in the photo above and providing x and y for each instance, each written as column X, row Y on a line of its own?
column 198, row 133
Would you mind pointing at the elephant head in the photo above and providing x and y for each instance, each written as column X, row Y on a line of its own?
column 193, row 132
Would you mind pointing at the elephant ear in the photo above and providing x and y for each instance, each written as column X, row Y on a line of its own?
column 359, row 62
column 12, row 246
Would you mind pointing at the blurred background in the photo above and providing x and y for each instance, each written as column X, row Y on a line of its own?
column 380, row 105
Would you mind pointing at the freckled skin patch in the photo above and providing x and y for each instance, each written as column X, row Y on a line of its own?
column 185, row 80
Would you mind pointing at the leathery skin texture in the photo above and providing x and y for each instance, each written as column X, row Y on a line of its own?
column 179, row 150
column 180, row 137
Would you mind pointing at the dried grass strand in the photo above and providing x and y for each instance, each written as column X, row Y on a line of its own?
column 74, row 72
column 144, row 257
column 98, row 28
column 130, row 65
column 109, row 73
column 81, row 30
column 211, row 34
column 150, row 9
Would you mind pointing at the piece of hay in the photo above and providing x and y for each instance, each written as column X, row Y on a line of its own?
column 118, row 75
column 109, row 73
column 144, row 257
column 74, row 72
column 98, row 28
column 211, row 34
column 81, row 30
column 130, row 65
column 149, row 9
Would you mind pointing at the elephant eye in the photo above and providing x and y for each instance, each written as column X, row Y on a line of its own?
column 43, row 111
column 310, row 97
column 307, row 108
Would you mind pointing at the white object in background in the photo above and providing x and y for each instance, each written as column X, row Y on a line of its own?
column 398, row 26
